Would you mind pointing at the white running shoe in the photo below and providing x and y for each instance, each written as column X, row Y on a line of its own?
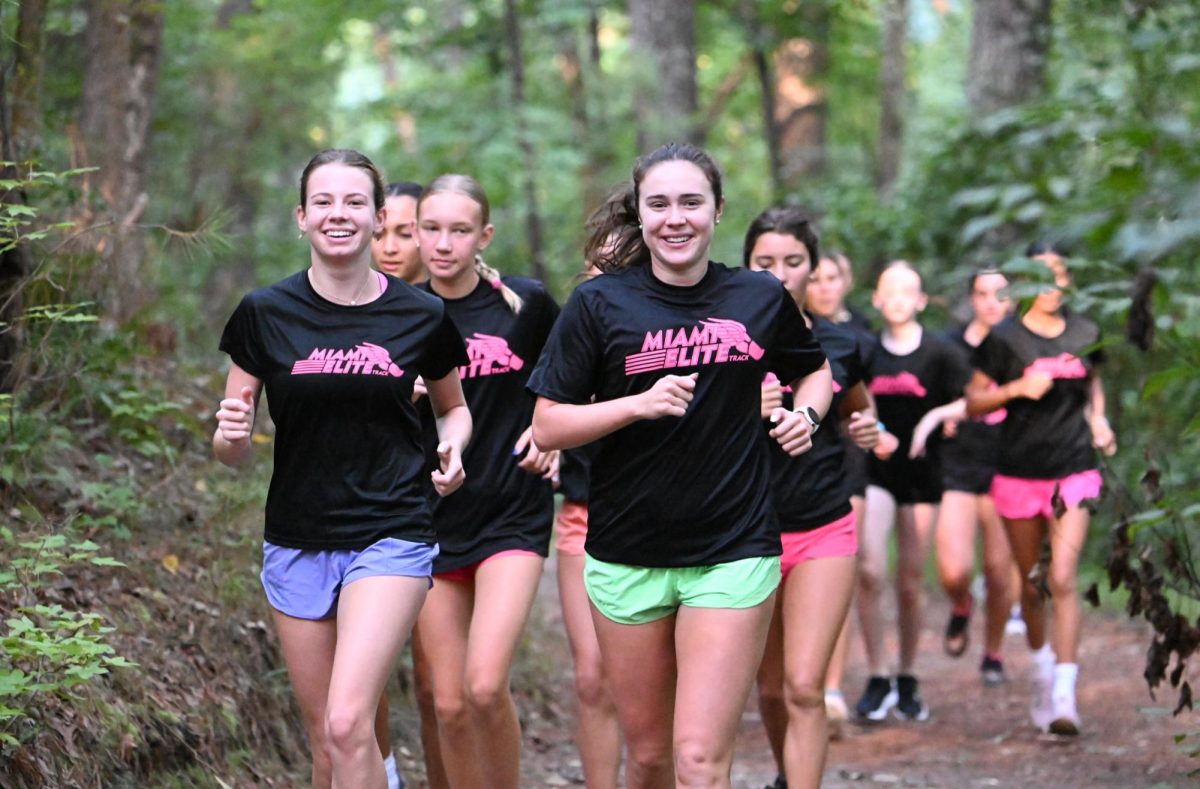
column 1041, row 707
column 1064, row 719
column 1015, row 626
column 836, row 712
column 393, row 776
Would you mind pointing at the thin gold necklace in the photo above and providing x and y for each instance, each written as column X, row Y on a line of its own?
column 312, row 280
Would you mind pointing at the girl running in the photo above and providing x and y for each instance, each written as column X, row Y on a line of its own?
column 597, row 731
column 1042, row 369
column 968, row 461
column 812, row 499
column 349, row 542
column 682, row 547
column 495, row 534
column 910, row 371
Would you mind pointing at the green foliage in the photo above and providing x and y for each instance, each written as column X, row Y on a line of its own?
column 46, row 650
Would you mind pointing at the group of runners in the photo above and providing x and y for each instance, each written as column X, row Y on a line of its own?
column 733, row 450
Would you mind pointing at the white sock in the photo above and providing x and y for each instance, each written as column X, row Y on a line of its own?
column 1064, row 679
column 1044, row 655
column 389, row 767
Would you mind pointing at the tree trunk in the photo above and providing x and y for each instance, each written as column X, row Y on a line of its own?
column 1009, row 42
column 19, row 123
column 533, row 219
column 122, row 41
column 663, row 43
column 766, row 89
column 893, row 68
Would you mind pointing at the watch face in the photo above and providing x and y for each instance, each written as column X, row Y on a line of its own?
column 811, row 413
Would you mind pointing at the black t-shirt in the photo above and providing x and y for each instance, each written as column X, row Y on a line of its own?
column 679, row 491
column 575, row 469
column 349, row 469
column 977, row 439
column 500, row 507
column 1048, row 438
column 907, row 387
column 812, row 490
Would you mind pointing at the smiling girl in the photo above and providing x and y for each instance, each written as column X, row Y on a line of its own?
column 349, row 544
column 659, row 362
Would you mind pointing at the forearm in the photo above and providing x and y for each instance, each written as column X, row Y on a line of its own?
column 455, row 427
column 983, row 396
column 565, row 426
column 815, row 389
column 955, row 410
column 1097, row 403
column 231, row 453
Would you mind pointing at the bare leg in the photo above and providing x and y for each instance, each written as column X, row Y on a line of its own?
column 640, row 660
column 771, row 705
column 956, row 546
column 718, row 651
column 597, row 731
column 1066, row 542
column 375, row 616
column 997, row 573
column 816, row 599
column 435, row 771
column 915, row 527
column 443, row 624
column 841, row 652
column 308, row 647
column 382, row 735
column 1025, row 537
column 872, row 575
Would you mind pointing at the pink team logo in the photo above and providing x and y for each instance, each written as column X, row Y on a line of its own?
column 1064, row 365
column 489, row 355
column 712, row 341
column 904, row 384
column 997, row 416
column 364, row 359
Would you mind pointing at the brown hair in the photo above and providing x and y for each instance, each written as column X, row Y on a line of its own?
column 349, row 158
column 614, row 238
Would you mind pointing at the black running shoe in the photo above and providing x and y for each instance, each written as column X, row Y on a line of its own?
column 877, row 699
column 909, row 706
column 992, row 671
column 957, row 635
column 779, row 783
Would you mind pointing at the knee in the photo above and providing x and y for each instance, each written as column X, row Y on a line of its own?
column 590, row 686
column 805, row 697
column 1062, row 583
column 909, row 581
column 698, row 763
column 348, row 727
column 870, row 578
column 486, row 692
column 450, row 710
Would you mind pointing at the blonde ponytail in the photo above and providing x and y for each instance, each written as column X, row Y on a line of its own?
column 489, row 274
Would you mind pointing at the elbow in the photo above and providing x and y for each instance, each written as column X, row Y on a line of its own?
column 544, row 436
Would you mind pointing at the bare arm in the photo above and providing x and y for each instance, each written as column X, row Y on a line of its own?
column 1103, row 437
column 983, row 396
column 933, row 418
column 565, row 425
column 792, row 429
column 454, row 427
column 232, row 442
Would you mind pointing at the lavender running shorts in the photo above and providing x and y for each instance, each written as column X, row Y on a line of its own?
column 306, row 584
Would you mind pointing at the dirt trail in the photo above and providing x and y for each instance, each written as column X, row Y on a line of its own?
column 975, row 737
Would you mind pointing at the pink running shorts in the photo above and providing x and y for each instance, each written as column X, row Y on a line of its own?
column 1018, row 498
column 839, row 538
column 570, row 528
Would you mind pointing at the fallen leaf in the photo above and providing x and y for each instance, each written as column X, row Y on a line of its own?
column 170, row 563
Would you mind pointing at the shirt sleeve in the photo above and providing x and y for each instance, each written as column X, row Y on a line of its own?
column 444, row 350
column 566, row 371
column 795, row 352
column 993, row 358
column 242, row 340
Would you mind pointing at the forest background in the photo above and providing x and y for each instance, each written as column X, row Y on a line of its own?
column 151, row 154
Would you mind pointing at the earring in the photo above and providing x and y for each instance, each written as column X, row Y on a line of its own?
column 718, row 220
column 639, row 225
column 301, row 234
